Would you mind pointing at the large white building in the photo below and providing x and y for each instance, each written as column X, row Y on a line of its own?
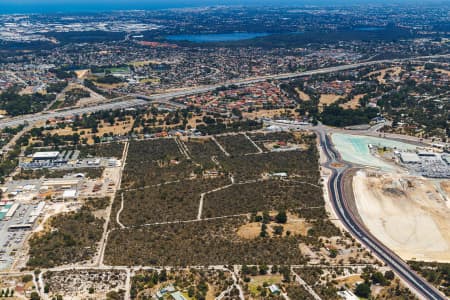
column 409, row 158
column 48, row 155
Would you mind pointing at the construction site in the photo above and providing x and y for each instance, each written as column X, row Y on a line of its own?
column 426, row 163
column 401, row 209
column 401, row 194
column 27, row 204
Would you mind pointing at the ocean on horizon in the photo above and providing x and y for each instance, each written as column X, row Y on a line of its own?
column 74, row 6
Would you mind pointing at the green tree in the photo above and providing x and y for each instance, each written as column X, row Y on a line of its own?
column 35, row 296
column 389, row 275
column 363, row 290
column 333, row 253
column 281, row 217
column 191, row 291
column 263, row 269
column 113, row 295
column 378, row 278
column 278, row 230
column 163, row 276
column 263, row 232
column 265, row 217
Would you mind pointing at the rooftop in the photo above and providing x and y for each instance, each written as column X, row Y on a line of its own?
column 47, row 154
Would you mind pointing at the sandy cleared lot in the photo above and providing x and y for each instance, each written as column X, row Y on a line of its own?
column 446, row 72
column 328, row 99
column 406, row 213
column 354, row 103
column 295, row 225
column 94, row 97
column 120, row 128
column 271, row 113
column 82, row 73
column 302, row 95
column 380, row 78
column 445, row 186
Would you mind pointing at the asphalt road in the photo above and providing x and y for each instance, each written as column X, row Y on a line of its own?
column 166, row 97
column 43, row 116
column 248, row 81
column 359, row 231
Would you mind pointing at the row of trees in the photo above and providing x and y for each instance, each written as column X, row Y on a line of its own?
column 236, row 126
column 16, row 104
column 334, row 115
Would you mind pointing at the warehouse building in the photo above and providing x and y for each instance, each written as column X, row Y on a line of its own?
column 409, row 158
column 45, row 156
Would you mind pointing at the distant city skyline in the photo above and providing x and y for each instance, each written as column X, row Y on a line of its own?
column 53, row 6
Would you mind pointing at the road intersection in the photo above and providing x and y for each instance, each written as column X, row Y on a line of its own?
column 165, row 98
column 339, row 169
column 334, row 163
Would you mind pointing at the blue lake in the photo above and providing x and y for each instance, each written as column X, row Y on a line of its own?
column 216, row 37
column 369, row 28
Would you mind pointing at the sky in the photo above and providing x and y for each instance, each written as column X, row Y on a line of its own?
column 50, row 6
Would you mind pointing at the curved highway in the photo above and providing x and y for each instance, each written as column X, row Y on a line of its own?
column 359, row 231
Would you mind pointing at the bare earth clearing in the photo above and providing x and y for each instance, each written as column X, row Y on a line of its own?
column 408, row 214
column 295, row 225
column 393, row 71
column 353, row 103
column 327, row 99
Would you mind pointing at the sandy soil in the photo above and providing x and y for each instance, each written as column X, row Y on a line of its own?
column 110, row 86
column 406, row 213
column 303, row 96
column 27, row 91
column 145, row 63
column 267, row 113
column 354, row 103
column 210, row 295
column 193, row 121
column 94, row 98
column 55, row 209
column 350, row 280
column 120, row 128
column 445, row 186
column 446, row 72
column 82, row 73
column 328, row 99
column 295, row 225
column 393, row 71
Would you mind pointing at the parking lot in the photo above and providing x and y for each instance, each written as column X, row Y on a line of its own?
column 11, row 240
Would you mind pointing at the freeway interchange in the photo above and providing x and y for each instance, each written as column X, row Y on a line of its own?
column 358, row 230
column 334, row 163
column 166, row 98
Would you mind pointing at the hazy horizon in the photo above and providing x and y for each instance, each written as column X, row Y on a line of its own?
column 53, row 6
